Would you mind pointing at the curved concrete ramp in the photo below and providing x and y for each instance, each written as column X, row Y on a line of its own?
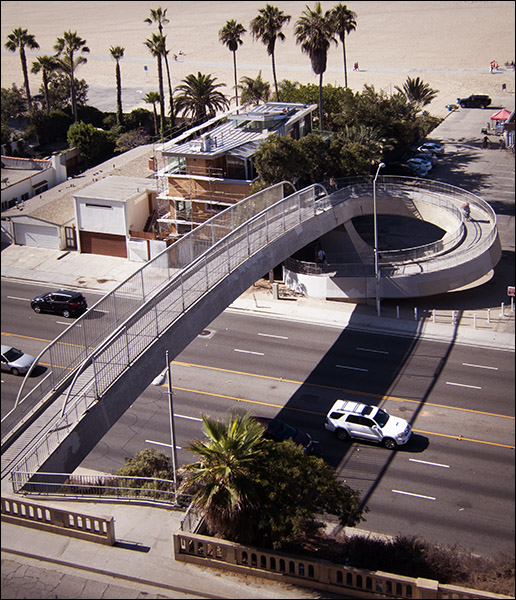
column 464, row 256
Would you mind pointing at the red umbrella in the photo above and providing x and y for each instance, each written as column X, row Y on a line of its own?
column 501, row 115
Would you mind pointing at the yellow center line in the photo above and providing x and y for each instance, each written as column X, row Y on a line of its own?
column 314, row 412
column 344, row 390
column 314, row 385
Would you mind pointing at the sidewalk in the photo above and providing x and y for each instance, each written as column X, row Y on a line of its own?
column 103, row 273
column 38, row 564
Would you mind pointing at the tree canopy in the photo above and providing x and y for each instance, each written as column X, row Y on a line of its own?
column 255, row 491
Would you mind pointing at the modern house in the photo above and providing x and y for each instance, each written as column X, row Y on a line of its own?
column 114, row 216
column 211, row 167
column 136, row 204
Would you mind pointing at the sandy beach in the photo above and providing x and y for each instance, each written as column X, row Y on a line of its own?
column 447, row 44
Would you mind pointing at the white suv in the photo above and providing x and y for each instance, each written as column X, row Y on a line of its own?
column 354, row 420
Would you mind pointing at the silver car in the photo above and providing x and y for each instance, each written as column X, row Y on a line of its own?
column 15, row 361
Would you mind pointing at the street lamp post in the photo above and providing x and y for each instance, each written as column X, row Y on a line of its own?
column 376, row 268
column 172, row 432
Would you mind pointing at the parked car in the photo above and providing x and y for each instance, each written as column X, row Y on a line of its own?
column 475, row 101
column 426, row 156
column 431, row 148
column 420, row 162
column 62, row 302
column 348, row 419
column 279, row 432
column 396, row 168
column 419, row 170
column 15, row 361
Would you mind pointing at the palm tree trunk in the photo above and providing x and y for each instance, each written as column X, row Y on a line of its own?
column 26, row 78
column 119, row 114
column 345, row 68
column 170, row 97
column 320, row 102
column 161, row 97
column 235, row 73
column 47, row 96
column 155, row 120
column 72, row 91
column 274, row 77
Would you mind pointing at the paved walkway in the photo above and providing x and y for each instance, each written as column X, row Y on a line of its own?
column 473, row 317
column 38, row 564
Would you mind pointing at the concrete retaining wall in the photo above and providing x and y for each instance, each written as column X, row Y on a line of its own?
column 63, row 522
column 312, row 573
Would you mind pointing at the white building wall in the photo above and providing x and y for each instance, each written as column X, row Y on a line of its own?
column 137, row 212
column 101, row 216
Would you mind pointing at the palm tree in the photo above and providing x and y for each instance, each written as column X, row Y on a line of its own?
column 267, row 27
column 117, row 52
column 153, row 98
column 220, row 480
column 18, row 39
column 159, row 16
column 314, row 31
column 230, row 36
column 345, row 21
column 199, row 97
column 254, row 91
column 45, row 64
column 417, row 91
column 66, row 47
column 157, row 47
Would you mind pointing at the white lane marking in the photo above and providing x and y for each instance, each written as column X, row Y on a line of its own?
column 16, row 298
column 351, row 368
column 415, row 495
column 479, row 366
column 161, row 444
column 185, row 417
column 424, row 462
column 279, row 337
column 250, row 352
column 473, row 387
column 371, row 350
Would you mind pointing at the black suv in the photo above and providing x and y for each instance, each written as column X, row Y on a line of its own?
column 475, row 101
column 62, row 302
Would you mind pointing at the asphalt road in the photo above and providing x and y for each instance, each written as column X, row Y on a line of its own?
column 453, row 482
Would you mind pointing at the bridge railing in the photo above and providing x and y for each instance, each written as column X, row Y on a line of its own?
column 129, row 341
column 441, row 195
column 70, row 349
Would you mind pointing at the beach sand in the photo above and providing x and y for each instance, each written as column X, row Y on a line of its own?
column 449, row 45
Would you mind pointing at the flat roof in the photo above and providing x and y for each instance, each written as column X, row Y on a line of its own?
column 232, row 138
column 119, row 189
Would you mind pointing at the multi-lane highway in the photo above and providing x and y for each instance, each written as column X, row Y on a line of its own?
column 453, row 482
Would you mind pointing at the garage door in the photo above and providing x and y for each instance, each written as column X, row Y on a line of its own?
column 40, row 236
column 103, row 243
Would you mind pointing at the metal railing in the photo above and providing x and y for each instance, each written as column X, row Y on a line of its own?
column 100, row 487
column 126, row 344
column 69, row 350
column 429, row 257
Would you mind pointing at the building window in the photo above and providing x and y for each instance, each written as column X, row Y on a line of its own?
column 40, row 189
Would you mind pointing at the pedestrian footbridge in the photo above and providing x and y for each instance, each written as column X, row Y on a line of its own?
column 104, row 360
